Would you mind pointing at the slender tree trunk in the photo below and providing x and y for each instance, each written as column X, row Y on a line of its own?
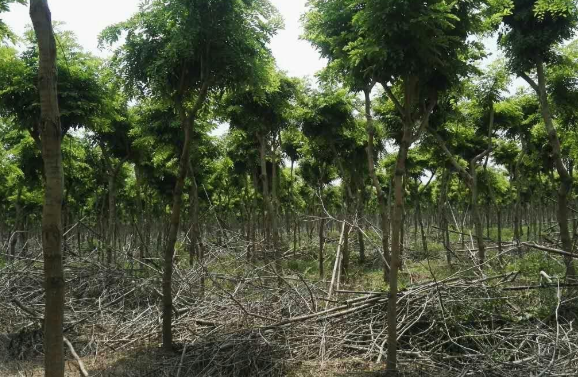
column 194, row 205
column 187, row 121
column 140, row 212
column 396, row 250
column 499, row 220
column 321, row 244
column 267, row 206
column 443, row 216
column 173, row 233
column 346, row 254
column 360, row 237
column 421, row 228
column 478, row 227
column 565, row 187
column 383, row 210
column 111, row 234
column 274, row 205
column 17, row 224
column 53, row 174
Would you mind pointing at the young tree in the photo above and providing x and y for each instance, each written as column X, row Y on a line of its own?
column 480, row 117
column 180, row 52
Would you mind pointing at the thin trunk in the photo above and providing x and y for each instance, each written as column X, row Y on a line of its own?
column 565, row 187
column 140, row 211
column 173, row 232
column 194, row 208
column 17, row 224
column 111, row 233
column 187, row 121
column 267, row 206
column 273, row 215
column 499, row 215
column 383, row 210
column 321, row 244
column 476, row 214
column 443, row 216
column 53, row 192
column 346, row 255
column 395, row 252
column 360, row 238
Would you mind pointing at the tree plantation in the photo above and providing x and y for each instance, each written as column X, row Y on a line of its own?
column 179, row 205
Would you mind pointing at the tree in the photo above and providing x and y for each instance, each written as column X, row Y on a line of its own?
column 330, row 27
column 414, row 70
column 50, row 138
column 329, row 124
column 180, row 52
column 263, row 111
column 533, row 29
column 482, row 112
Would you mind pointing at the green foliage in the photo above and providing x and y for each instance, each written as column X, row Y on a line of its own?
column 80, row 89
column 173, row 48
column 533, row 28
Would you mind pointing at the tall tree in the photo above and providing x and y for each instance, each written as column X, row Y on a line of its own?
column 50, row 137
column 414, row 70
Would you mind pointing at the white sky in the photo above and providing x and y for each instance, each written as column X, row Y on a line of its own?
column 88, row 18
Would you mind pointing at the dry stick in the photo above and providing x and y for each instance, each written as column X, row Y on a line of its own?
column 337, row 266
column 182, row 358
column 80, row 364
column 549, row 249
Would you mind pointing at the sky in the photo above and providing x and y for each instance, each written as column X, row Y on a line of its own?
column 88, row 18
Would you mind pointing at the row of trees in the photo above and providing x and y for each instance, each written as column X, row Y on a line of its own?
column 403, row 125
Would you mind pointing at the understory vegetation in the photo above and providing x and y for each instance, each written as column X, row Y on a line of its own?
column 410, row 212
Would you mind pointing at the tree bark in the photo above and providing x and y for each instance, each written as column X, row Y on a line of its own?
column 51, row 136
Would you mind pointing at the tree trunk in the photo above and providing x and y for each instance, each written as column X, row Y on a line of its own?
column 565, row 187
column 499, row 219
column 53, row 174
column 274, row 205
column 479, row 229
column 187, row 121
column 140, row 212
column 194, row 208
column 267, row 206
column 17, row 224
column 321, row 244
column 346, row 253
column 383, row 210
column 111, row 233
column 396, row 250
column 443, row 216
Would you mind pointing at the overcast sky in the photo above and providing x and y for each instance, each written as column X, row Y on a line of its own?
column 88, row 18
